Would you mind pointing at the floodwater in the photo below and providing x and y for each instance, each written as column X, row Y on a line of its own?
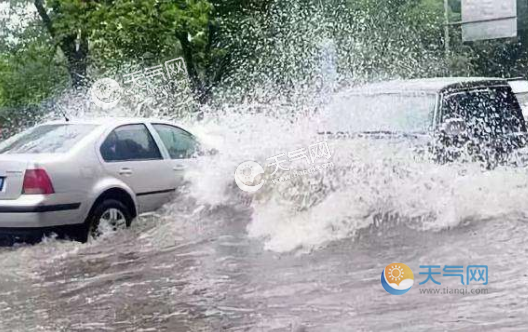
column 200, row 272
column 301, row 255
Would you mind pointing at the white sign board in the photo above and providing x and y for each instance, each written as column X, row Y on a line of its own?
column 488, row 19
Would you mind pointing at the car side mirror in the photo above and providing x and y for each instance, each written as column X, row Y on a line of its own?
column 212, row 152
column 206, row 152
column 454, row 126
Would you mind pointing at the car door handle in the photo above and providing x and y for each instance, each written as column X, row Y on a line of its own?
column 178, row 167
column 125, row 171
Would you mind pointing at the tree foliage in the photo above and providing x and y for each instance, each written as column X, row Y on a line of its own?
column 237, row 45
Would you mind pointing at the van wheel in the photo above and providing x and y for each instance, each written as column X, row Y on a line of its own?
column 110, row 214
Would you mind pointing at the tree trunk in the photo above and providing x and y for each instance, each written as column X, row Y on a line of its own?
column 76, row 54
column 77, row 58
column 202, row 87
column 197, row 84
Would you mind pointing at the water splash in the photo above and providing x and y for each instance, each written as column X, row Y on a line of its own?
column 375, row 183
column 274, row 104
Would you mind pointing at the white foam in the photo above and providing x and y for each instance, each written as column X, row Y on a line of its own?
column 371, row 178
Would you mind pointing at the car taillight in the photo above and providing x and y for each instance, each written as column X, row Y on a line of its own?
column 37, row 182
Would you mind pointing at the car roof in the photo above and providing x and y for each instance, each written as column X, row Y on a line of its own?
column 428, row 85
column 112, row 121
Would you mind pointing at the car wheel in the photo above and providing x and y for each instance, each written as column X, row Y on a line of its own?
column 110, row 214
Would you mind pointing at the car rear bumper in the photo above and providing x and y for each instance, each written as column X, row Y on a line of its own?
column 36, row 211
column 39, row 208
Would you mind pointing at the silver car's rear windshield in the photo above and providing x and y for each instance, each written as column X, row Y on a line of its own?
column 52, row 138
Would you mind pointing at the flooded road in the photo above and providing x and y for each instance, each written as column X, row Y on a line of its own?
column 301, row 255
column 199, row 271
column 214, row 260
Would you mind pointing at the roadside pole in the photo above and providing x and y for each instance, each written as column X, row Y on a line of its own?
column 447, row 40
column 522, row 23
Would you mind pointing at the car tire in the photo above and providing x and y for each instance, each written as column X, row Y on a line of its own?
column 110, row 210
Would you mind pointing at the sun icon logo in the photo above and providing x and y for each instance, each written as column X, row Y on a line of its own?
column 396, row 273
column 397, row 278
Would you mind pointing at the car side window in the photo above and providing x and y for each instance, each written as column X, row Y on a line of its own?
column 129, row 143
column 179, row 143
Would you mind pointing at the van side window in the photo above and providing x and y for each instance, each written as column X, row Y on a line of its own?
column 179, row 143
column 130, row 143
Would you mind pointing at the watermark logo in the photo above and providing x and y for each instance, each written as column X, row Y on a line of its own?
column 478, row 274
column 314, row 156
column 106, row 93
column 161, row 79
column 168, row 80
column 397, row 278
column 249, row 176
column 310, row 155
column 475, row 274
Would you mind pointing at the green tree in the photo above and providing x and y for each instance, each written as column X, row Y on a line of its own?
column 66, row 25
column 116, row 32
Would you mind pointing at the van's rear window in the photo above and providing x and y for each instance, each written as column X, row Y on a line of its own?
column 493, row 110
column 52, row 138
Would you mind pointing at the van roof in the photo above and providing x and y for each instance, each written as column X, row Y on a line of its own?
column 428, row 85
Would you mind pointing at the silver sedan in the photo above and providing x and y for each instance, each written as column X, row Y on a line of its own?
column 69, row 177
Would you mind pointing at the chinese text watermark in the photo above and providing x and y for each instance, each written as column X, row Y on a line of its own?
column 249, row 175
column 170, row 79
